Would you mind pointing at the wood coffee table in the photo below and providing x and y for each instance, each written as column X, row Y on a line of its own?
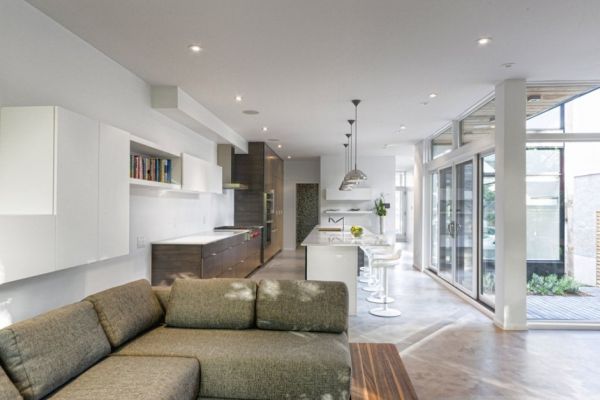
column 378, row 373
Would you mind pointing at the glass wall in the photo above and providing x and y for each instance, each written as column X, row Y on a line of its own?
column 464, row 226
column 446, row 224
column 435, row 224
column 479, row 124
column 442, row 143
column 487, row 276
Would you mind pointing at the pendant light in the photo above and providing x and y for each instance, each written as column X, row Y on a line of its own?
column 356, row 175
column 344, row 186
column 345, row 182
column 347, row 163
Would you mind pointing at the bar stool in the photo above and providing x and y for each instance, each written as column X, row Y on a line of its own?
column 374, row 277
column 385, row 263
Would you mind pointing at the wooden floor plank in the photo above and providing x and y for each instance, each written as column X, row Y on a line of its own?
column 378, row 373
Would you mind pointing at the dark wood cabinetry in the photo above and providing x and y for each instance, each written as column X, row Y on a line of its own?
column 261, row 170
column 233, row 257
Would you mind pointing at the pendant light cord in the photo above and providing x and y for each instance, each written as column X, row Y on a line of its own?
column 355, row 135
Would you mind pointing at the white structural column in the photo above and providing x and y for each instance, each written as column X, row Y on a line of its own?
column 418, row 178
column 511, row 255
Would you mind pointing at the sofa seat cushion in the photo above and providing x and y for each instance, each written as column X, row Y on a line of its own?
column 43, row 353
column 8, row 391
column 143, row 378
column 126, row 311
column 212, row 304
column 256, row 364
column 312, row 306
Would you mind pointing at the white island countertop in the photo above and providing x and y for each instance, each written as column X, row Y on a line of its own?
column 203, row 237
column 329, row 238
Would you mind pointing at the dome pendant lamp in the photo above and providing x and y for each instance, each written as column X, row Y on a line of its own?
column 356, row 175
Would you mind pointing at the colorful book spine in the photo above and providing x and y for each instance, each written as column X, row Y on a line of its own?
column 151, row 169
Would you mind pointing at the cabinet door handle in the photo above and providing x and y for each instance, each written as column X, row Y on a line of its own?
column 213, row 254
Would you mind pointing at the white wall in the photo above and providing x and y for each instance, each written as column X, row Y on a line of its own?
column 295, row 171
column 381, row 179
column 44, row 64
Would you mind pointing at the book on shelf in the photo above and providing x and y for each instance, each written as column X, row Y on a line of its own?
column 150, row 168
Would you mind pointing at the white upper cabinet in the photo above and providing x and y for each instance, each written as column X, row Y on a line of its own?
column 201, row 176
column 216, row 179
column 27, row 160
column 64, row 200
column 113, row 192
column 76, row 189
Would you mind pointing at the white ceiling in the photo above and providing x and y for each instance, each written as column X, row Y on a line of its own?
column 301, row 62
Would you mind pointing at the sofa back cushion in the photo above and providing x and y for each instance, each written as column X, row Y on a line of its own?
column 162, row 293
column 126, row 311
column 8, row 391
column 212, row 304
column 43, row 353
column 313, row 306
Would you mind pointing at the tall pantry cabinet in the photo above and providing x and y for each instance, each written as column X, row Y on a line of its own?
column 261, row 170
column 64, row 197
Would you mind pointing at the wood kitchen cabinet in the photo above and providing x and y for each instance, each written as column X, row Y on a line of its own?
column 262, row 204
column 232, row 257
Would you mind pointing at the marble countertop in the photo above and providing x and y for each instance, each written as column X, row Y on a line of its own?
column 203, row 237
column 328, row 238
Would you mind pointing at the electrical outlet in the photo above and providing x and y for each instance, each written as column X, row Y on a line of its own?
column 141, row 242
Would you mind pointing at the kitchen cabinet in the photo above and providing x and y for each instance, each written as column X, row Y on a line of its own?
column 201, row 176
column 235, row 256
column 261, row 170
column 65, row 180
column 113, row 199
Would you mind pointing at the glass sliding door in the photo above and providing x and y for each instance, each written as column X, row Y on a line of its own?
column 446, row 223
column 463, row 227
column 487, row 273
column 456, row 252
column 435, row 223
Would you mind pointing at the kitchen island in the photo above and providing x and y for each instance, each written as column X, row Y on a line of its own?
column 333, row 256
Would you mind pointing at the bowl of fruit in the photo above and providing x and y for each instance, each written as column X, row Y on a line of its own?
column 356, row 231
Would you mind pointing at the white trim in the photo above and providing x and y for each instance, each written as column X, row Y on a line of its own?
column 462, row 153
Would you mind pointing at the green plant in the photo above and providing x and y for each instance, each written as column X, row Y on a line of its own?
column 380, row 209
column 552, row 285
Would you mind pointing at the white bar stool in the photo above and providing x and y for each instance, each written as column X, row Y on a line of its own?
column 385, row 263
column 374, row 277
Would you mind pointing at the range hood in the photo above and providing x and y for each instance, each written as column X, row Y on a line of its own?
column 225, row 153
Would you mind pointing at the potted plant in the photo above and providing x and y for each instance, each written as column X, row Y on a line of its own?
column 380, row 211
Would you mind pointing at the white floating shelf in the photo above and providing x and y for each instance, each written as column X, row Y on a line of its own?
column 356, row 194
column 349, row 212
column 141, row 183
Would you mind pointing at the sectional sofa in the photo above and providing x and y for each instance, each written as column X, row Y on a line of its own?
column 217, row 339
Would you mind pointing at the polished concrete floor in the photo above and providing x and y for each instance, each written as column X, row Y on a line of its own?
column 452, row 351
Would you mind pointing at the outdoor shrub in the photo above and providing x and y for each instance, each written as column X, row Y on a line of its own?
column 552, row 285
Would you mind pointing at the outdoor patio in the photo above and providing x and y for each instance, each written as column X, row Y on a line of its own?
column 563, row 308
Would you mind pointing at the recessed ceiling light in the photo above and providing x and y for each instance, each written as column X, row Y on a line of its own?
column 289, row 157
column 238, row 98
column 402, row 128
column 484, row 41
column 424, row 103
column 279, row 146
column 250, row 112
column 433, row 95
column 195, row 48
column 265, row 128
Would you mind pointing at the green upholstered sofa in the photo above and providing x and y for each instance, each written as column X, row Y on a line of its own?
column 199, row 339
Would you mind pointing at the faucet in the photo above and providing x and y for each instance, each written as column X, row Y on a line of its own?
column 331, row 219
